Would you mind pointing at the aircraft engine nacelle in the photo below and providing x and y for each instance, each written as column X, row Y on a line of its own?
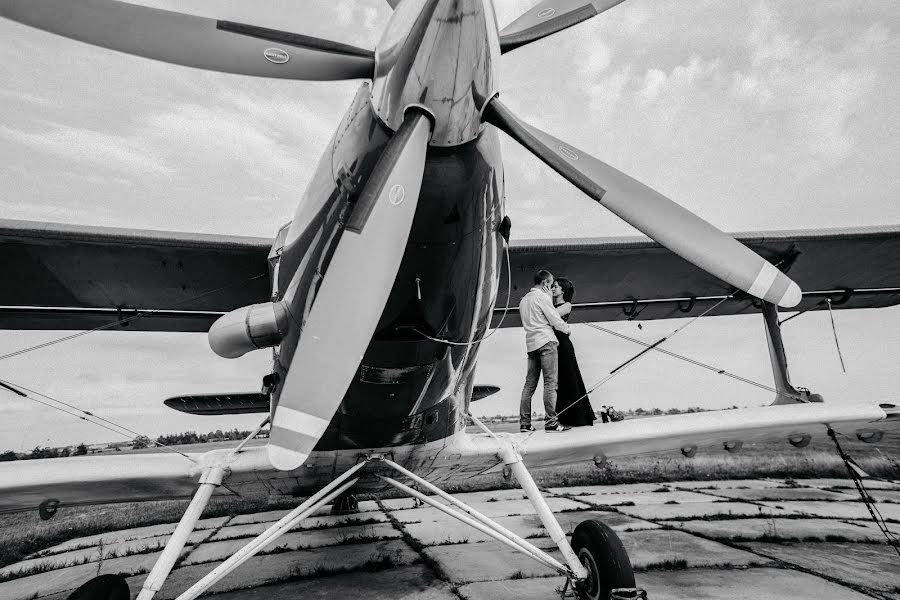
column 249, row 328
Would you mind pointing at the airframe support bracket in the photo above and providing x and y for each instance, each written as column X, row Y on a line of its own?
column 475, row 519
column 209, row 480
column 575, row 571
column 785, row 393
column 282, row 526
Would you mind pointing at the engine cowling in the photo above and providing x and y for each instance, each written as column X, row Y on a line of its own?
column 249, row 328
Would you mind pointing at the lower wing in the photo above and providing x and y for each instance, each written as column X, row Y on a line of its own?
column 94, row 479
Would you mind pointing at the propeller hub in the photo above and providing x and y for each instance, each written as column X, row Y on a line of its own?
column 411, row 66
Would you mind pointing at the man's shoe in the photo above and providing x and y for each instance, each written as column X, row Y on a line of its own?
column 526, row 428
column 557, row 427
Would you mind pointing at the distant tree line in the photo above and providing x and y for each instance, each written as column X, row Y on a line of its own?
column 172, row 439
column 44, row 452
column 192, row 437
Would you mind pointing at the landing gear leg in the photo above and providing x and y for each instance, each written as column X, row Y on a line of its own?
column 596, row 561
column 209, row 481
column 512, row 459
column 285, row 524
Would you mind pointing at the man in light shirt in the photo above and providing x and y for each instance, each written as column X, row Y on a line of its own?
column 539, row 318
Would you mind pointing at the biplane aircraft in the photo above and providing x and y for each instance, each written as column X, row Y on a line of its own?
column 375, row 297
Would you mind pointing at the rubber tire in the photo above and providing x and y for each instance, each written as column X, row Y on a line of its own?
column 103, row 587
column 601, row 552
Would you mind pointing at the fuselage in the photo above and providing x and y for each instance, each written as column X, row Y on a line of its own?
column 410, row 389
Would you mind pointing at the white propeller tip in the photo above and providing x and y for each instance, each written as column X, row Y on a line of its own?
column 285, row 459
column 791, row 297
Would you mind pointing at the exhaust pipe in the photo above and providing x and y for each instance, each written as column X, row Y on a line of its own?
column 249, row 328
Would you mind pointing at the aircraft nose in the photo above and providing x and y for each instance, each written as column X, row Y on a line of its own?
column 440, row 55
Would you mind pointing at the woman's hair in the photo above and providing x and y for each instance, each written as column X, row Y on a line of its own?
column 568, row 290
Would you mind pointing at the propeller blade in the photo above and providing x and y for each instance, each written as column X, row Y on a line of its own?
column 676, row 228
column 340, row 327
column 193, row 41
column 548, row 17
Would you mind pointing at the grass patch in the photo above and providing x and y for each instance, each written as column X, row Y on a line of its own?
column 38, row 568
column 677, row 564
column 23, row 533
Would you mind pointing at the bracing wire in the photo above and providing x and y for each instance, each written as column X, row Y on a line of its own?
column 682, row 357
column 89, row 416
column 134, row 317
column 643, row 352
column 876, row 515
column 834, row 331
column 85, row 415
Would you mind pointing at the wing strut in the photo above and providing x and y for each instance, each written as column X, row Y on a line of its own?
column 209, row 481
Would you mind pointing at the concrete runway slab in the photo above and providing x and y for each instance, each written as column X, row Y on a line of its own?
column 871, row 566
column 296, row 540
column 783, row 529
column 749, row 584
column 465, row 563
column 655, row 548
column 467, row 497
column 696, row 510
column 693, row 549
column 691, row 584
column 436, row 533
column 489, row 509
column 402, row 583
column 654, row 497
column 727, row 484
column 837, row 510
column 887, row 496
column 845, row 483
column 111, row 537
column 798, row 493
column 304, row 564
column 627, row 488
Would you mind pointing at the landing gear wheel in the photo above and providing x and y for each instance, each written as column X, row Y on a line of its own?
column 603, row 555
column 104, row 587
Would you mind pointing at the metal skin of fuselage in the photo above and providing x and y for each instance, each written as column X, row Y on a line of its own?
column 438, row 56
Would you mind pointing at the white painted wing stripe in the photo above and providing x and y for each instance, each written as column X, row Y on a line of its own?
column 764, row 280
column 791, row 297
column 302, row 422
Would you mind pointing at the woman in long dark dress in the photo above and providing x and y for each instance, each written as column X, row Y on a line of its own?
column 573, row 407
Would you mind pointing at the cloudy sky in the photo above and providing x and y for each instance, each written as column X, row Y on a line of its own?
column 755, row 115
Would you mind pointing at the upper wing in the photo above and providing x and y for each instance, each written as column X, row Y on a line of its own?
column 74, row 277
column 621, row 278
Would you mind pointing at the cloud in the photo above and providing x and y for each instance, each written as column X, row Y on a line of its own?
column 104, row 151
